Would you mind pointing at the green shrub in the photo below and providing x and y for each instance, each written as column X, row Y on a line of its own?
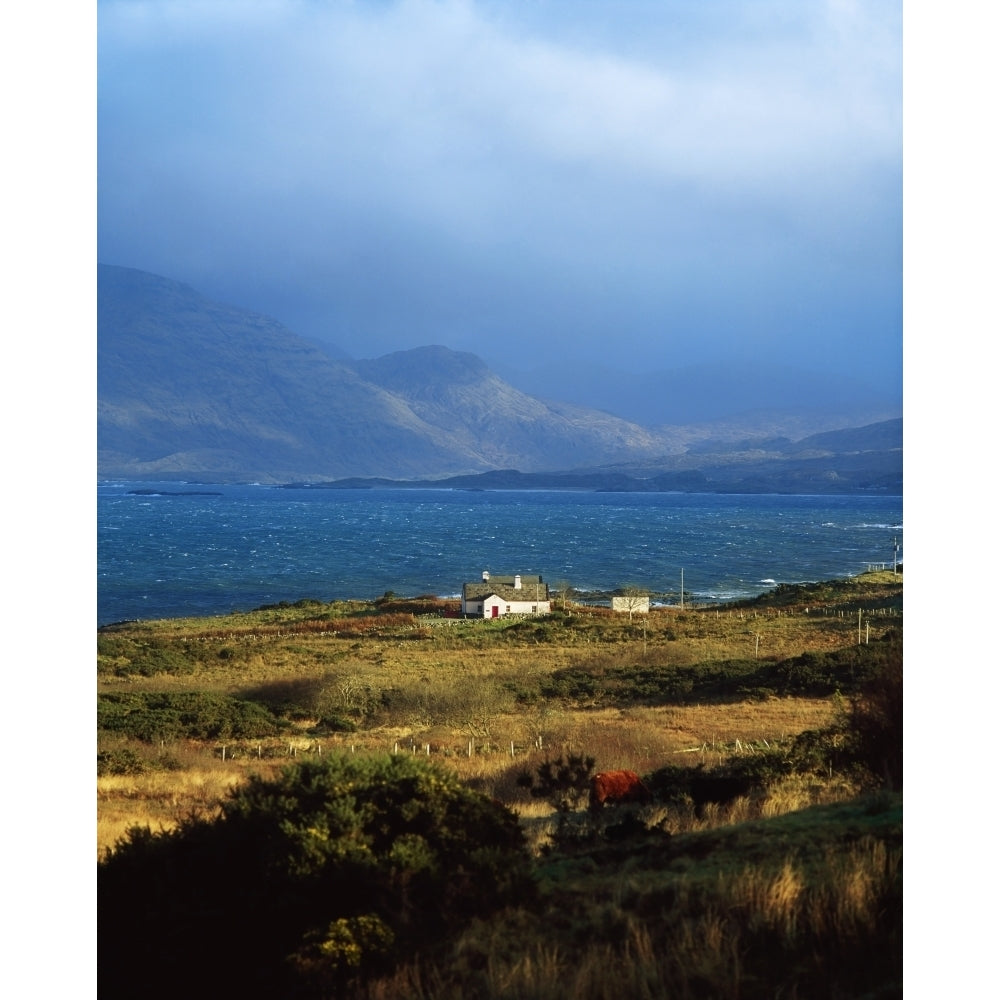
column 563, row 782
column 121, row 761
column 125, row 760
column 874, row 721
column 123, row 657
column 151, row 716
column 332, row 872
column 603, row 681
column 867, row 737
column 333, row 724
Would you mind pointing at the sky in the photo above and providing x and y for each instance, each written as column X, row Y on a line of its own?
column 647, row 183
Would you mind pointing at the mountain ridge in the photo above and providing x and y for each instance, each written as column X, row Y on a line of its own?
column 190, row 388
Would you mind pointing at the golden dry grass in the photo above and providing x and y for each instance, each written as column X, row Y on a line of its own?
column 451, row 682
column 158, row 800
column 642, row 739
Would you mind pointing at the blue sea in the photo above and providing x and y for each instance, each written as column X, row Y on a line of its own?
column 178, row 549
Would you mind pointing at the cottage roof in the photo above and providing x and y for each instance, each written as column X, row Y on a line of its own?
column 532, row 588
column 508, row 581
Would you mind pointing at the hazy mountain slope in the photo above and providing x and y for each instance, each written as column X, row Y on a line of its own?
column 852, row 460
column 857, row 460
column 190, row 387
column 884, row 436
column 186, row 385
column 506, row 427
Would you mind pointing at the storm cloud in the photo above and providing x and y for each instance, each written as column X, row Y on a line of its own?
column 676, row 182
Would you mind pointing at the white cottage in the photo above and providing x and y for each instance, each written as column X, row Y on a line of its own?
column 496, row 596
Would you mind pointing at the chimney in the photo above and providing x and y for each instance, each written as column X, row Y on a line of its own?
column 517, row 582
column 486, row 576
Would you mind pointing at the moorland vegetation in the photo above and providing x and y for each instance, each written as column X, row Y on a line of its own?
column 379, row 799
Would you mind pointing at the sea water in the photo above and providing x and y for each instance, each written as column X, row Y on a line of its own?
column 174, row 549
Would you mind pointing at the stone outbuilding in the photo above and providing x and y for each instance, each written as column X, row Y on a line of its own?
column 637, row 604
column 498, row 596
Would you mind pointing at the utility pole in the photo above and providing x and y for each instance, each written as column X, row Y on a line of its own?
column 895, row 554
column 682, row 590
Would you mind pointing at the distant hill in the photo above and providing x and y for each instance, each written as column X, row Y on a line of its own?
column 193, row 389
column 190, row 388
column 857, row 460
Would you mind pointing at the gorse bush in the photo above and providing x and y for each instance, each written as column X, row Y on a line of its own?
column 564, row 782
column 126, row 761
column 846, row 670
column 153, row 716
column 602, row 681
column 333, row 724
column 123, row 656
column 332, row 872
column 874, row 721
column 867, row 737
column 121, row 761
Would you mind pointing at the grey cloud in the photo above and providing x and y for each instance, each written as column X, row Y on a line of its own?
column 388, row 172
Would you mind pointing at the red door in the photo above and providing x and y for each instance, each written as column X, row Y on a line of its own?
column 495, row 611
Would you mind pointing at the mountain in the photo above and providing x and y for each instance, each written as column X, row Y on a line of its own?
column 856, row 460
column 190, row 388
column 505, row 427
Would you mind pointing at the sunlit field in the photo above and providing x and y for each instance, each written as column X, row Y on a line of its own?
column 765, row 860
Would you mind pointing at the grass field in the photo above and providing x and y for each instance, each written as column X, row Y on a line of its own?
column 408, row 682
column 794, row 876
